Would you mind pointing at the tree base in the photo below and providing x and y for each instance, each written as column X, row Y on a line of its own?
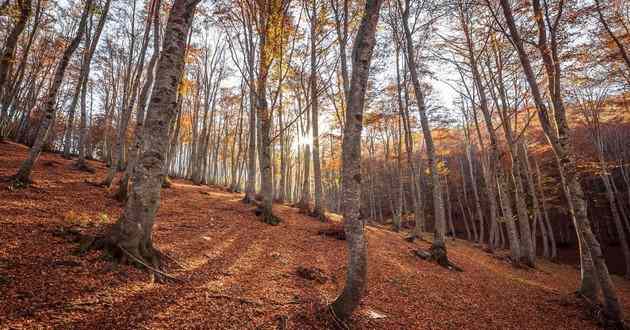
column 144, row 257
column 267, row 217
column 438, row 255
column 17, row 182
column 595, row 311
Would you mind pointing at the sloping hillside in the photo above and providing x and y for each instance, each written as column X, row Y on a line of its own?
column 238, row 273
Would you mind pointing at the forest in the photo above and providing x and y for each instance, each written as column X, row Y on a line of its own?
column 314, row 164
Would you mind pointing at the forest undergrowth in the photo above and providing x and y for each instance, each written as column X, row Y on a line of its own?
column 235, row 272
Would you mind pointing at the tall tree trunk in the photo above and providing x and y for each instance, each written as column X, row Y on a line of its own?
column 81, row 164
column 531, row 187
column 8, row 57
column 438, row 246
column 317, row 169
column 142, row 102
column 559, row 140
column 270, row 17
column 356, row 275
column 24, row 173
column 132, row 233
column 250, row 186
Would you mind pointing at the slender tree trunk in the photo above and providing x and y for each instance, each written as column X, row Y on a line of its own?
column 559, row 140
column 142, row 104
column 317, row 169
column 531, row 187
column 438, row 246
column 81, row 163
column 356, row 275
column 8, row 58
column 132, row 234
column 24, row 173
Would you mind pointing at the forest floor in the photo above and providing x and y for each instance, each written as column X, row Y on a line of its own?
column 239, row 273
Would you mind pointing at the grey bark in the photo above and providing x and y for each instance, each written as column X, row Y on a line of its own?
column 133, row 230
column 356, row 275
column 24, row 173
column 590, row 251
column 438, row 246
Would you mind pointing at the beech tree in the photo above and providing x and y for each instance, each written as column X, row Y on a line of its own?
column 594, row 270
column 23, row 175
column 356, row 277
column 131, row 236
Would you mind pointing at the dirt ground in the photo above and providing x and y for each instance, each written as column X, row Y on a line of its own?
column 239, row 273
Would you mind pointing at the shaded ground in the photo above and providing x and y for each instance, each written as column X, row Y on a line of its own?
column 240, row 273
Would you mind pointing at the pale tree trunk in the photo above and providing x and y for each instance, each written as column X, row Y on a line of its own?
column 612, row 202
column 398, row 205
column 118, row 154
column 133, row 150
column 545, row 213
column 8, row 57
column 235, row 156
column 10, row 92
column 282, row 193
column 318, row 212
column 67, row 144
column 250, row 185
column 464, row 219
column 81, row 163
column 492, row 170
column 508, row 219
column 132, row 234
column 23, row 175
column 415, row 177
column 559, row 140
column 142, row 103
column 305, row 198
column 475, row 236
column 528, row 252
column 531, row 187
column 449, row 209
column 438, row 246
column 356, row 275
column 270, row 17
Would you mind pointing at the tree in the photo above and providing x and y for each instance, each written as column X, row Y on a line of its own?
column 356, row 276
column 438, row 246
column 594, row 270
column 8, row 56
column 23, row 175
column 131, row 236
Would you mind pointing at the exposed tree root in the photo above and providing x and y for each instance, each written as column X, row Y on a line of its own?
column 267, row 216
column 92, row 183
column 595, row 311
column 413, row 237
column 338, row 322
column 437, row 255
column 146, row 257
